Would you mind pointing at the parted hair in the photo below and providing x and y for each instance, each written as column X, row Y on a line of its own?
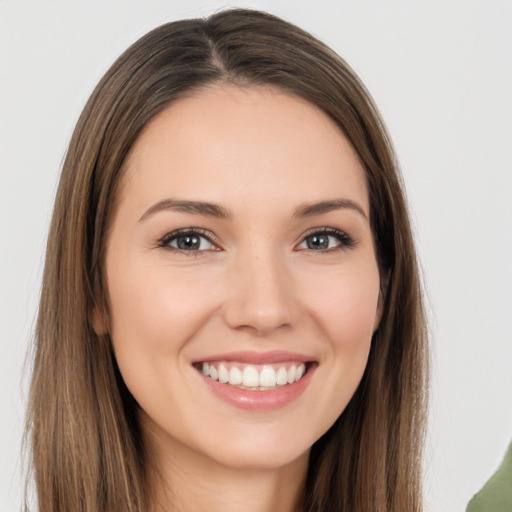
column 86, row 446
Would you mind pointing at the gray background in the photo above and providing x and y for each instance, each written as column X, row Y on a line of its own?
column 441, row 75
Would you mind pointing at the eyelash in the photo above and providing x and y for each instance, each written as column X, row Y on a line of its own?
column 165, row 241
column 344, row 241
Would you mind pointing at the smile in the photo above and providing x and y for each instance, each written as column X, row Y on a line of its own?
column 264, row 377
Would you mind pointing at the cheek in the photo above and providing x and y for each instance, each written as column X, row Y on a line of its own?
column 345, row 305
column 344, row 308
column 153, row 316
column 151, row 305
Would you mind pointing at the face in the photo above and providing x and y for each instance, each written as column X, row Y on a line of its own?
column 242, row 279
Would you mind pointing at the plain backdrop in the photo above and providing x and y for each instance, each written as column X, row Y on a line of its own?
column 441, row 73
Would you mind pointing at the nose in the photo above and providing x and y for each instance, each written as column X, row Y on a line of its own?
column 261, row 297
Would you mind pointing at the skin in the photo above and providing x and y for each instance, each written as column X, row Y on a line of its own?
column 255, row 286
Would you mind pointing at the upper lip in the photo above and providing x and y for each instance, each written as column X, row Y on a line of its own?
column 253, row 357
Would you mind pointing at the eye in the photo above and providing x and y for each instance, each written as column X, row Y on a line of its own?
column 325, row 240
column 188, row 240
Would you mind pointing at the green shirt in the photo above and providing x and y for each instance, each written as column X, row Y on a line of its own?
column 496, row 494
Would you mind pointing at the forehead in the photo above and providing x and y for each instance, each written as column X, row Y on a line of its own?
column 253, row 143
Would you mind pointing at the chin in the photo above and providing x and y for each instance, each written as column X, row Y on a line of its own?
column 271, row 458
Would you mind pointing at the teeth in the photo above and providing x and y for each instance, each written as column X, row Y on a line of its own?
column 250, row 378
column 268, row 377
column 281, row 376
column 223, row 374
column 235, row 376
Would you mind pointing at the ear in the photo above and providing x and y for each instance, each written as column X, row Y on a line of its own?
column 98, row 322
column 382, row 299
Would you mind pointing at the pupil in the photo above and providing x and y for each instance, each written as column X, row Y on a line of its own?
column 188, row 242
column 318, row 242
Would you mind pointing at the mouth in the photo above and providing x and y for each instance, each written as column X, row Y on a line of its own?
column 257, row 381
column 254, row 377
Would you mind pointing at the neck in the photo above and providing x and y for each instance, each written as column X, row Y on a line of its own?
column 186, row 481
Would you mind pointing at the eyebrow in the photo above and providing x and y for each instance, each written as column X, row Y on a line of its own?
column 311, row 209
column 196, row 207
column 217, row 211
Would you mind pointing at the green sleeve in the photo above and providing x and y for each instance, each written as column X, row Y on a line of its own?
column 496, row 495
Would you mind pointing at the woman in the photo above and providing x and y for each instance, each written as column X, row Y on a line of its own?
column 231, row 311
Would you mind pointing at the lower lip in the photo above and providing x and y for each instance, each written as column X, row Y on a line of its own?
column 259, row 400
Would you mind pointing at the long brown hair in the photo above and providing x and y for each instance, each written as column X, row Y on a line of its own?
column 86, row 444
